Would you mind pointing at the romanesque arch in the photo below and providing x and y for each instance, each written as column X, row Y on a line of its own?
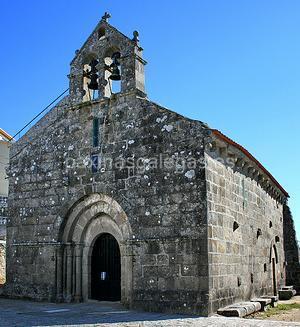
column 88, row 218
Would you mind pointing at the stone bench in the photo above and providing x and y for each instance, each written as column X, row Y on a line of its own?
column 241, row 309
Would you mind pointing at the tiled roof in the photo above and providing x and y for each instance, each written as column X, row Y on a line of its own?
column 226, row 139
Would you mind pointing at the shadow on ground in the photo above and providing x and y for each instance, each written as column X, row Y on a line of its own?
column 19, row 313
column 27, row 313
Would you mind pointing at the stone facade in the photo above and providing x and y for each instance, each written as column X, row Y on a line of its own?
column 120, row 164
column 165, row 212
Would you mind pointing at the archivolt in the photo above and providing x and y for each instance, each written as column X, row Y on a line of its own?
column 88, row 218
column 87, row 209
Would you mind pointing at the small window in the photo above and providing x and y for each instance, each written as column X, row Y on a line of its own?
column 95, row 132
column 277, row 239
column 252, row 278
column 101, row 33
column 259, row 233
column 235, row 226
column 95, row 163
column 270, row 224
column 265, row 267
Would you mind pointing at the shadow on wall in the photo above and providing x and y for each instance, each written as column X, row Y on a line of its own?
column 291, row 250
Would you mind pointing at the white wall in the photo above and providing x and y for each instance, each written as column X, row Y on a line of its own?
column 4, row 158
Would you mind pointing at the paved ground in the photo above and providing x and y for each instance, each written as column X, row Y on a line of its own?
column 26, row 313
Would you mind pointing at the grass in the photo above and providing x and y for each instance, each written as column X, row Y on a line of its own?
column 280, row 309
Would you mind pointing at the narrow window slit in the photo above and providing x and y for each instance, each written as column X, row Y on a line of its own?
column 95, row 132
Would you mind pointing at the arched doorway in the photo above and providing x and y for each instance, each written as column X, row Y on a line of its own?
column 106, row 269
column 93, row 219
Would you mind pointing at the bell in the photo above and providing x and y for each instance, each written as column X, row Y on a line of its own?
column 115, row 74
column 93, row 75
column 93, row 85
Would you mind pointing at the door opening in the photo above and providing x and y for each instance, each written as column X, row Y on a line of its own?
column 106, row 269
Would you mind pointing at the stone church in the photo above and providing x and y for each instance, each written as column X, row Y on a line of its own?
column 114, row 197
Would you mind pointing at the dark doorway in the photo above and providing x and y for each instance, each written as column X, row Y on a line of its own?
column 106, row 269
column 274, row 276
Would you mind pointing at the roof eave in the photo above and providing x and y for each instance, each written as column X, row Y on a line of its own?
column 226, row 139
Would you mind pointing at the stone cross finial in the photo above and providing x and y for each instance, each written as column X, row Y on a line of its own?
column 106, row 16
column 135, row 36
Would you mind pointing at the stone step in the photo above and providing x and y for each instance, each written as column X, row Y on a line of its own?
column 286, row 288
column 286, row 294
column 264, row 302
column 241, row 309
column 274, row 299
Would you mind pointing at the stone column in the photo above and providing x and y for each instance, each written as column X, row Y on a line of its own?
column 85, row 285
column 127, row 255
column 59, row 273
column 69, row 272
column 78, row 275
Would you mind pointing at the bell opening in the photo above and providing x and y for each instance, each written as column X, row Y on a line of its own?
column 90, row 80
column 115, row 83
column 113, row 72
column 93, row 75
column 101, row 33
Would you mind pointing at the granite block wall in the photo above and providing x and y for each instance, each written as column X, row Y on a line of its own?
column 163, row 195
column 244, row 226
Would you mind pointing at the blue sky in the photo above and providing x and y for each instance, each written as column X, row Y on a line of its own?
column 230, row 63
